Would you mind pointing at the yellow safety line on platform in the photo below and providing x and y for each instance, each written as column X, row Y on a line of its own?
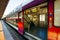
column 1, row 32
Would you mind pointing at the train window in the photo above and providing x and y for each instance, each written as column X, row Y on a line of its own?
column 42, row 17
column 57, row 13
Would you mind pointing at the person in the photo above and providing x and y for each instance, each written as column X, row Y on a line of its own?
column 20, row 27
column 32, row 25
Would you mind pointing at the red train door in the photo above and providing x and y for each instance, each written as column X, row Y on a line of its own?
column 54, row 20
column 20, row 23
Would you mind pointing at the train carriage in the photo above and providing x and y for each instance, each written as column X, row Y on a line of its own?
column 40, row 18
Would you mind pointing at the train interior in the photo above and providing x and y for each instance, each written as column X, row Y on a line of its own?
column 36, row 21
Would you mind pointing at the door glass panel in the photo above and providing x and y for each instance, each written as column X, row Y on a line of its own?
column 57, row 13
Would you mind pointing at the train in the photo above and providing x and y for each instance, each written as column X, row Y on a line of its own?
column 39, row 18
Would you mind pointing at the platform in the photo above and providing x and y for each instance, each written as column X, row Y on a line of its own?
column 2, row 37
column 4, row 33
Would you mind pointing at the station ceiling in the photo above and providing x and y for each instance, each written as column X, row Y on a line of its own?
column 3, row 4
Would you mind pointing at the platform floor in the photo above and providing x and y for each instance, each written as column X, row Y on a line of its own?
column 4, row 33
column 2, row 37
